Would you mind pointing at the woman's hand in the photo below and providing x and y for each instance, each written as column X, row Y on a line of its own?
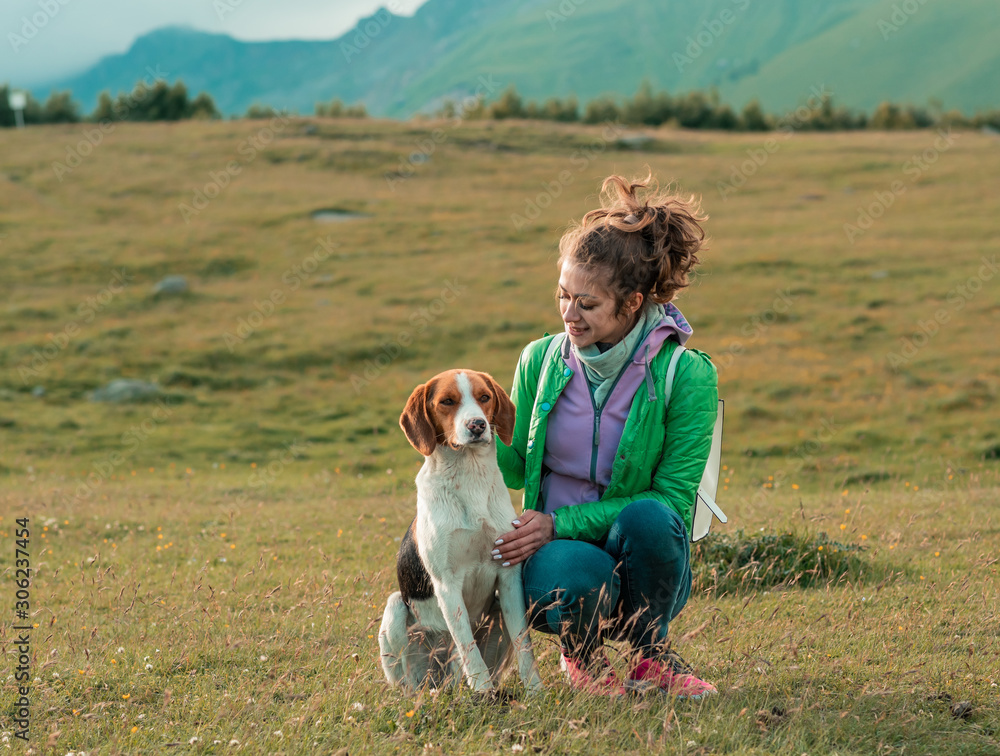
column 532, row 530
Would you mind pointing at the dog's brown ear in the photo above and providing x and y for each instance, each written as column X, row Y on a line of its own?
column 505, row 412
column 416, row 423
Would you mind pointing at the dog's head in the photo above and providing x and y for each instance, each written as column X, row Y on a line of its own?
column 459, row 409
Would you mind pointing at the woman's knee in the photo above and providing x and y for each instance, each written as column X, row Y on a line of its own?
column 652, row 521
column 563, row 581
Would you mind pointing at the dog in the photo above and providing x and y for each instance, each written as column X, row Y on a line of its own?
column 458, row 613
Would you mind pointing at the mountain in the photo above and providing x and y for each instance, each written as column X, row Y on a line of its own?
column 861, row 51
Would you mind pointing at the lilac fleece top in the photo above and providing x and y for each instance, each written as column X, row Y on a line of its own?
column 580, row 445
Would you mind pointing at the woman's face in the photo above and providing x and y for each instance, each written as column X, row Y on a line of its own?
column 588, row 307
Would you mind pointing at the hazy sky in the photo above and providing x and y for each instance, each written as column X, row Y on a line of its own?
column 43, row 39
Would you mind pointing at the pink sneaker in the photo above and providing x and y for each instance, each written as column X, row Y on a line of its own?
column 671, row 675
column 598, row 680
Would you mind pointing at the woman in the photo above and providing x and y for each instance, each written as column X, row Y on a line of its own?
column 610, row 474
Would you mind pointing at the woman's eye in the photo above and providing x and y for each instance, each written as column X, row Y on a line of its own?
column 586, row 307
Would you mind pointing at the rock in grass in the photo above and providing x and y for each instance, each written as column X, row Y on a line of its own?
column 171, row 286
column 122, row 390
column 962, row 710
column 635, row 141
column 768, row 719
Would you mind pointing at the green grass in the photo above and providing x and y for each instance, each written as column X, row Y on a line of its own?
column 279, row 489
column 259, row 617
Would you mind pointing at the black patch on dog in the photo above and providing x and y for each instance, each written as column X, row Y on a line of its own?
column 414, row 582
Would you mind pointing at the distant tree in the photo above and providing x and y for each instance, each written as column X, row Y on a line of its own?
column 105, row 110
column 921, row 117
column 203, row 108
column 553, row 109
column 566, row 111
column 753, row 119
column 156, row 102
column 828, row 118
column 337, row 109
column 644, row 107
column 888, row 116
column 60, row 108
column 602, row 110
column 508, row 106
column 259, row 112
column 955, row 118
column 725, row 118
column 448, row 109
column 163, row 103
column 6, row 113
column 987, row 119
column 694, row 111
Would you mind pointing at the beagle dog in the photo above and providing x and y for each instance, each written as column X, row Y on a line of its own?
column 458, row 612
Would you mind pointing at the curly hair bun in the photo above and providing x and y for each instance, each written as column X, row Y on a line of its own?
column 646, row 242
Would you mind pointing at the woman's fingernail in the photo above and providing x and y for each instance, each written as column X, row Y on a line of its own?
column 499, row 556
column 506, row 564
column 498, row 541
column 516, row 522
column 495, row 551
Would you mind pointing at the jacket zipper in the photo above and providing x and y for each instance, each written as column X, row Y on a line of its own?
column 597, row 420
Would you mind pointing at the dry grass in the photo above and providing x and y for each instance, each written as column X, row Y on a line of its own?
column 257, row 629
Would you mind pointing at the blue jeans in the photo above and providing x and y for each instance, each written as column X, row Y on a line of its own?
column 628, row 588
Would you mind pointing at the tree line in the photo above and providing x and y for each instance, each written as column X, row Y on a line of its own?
column 156, row 101
column 160, row 101
column 700, row 110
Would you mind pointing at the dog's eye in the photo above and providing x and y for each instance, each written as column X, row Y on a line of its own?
column 447, row 402
column 484, row 398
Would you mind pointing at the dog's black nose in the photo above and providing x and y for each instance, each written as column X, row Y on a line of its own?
column 476, row 426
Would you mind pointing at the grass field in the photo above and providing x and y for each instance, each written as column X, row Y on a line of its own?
column 211, row 566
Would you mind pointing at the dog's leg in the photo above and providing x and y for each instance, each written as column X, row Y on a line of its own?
column 514, row 617
column 393, row 639
column 493, row 642
column 456, row 616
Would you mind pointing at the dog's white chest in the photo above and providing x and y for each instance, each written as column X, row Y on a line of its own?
column 470, row 547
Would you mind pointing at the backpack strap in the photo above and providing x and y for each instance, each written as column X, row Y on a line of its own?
column 554, row 344
column 671, row 369
column 705, row 506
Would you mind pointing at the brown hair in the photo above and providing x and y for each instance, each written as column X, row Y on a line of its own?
column 645, row 244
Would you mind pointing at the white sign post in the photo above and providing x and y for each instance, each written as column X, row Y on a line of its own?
column 18, row 101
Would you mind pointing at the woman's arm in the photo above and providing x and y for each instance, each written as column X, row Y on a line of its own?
column 690, row 421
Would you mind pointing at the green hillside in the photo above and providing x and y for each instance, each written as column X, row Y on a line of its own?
column 944, row 51
column 326, row 367
column 863, row 51
column 608, row 48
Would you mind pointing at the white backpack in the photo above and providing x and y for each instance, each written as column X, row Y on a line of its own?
column 705, row 507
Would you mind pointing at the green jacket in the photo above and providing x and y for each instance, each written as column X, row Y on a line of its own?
column 662, row 454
